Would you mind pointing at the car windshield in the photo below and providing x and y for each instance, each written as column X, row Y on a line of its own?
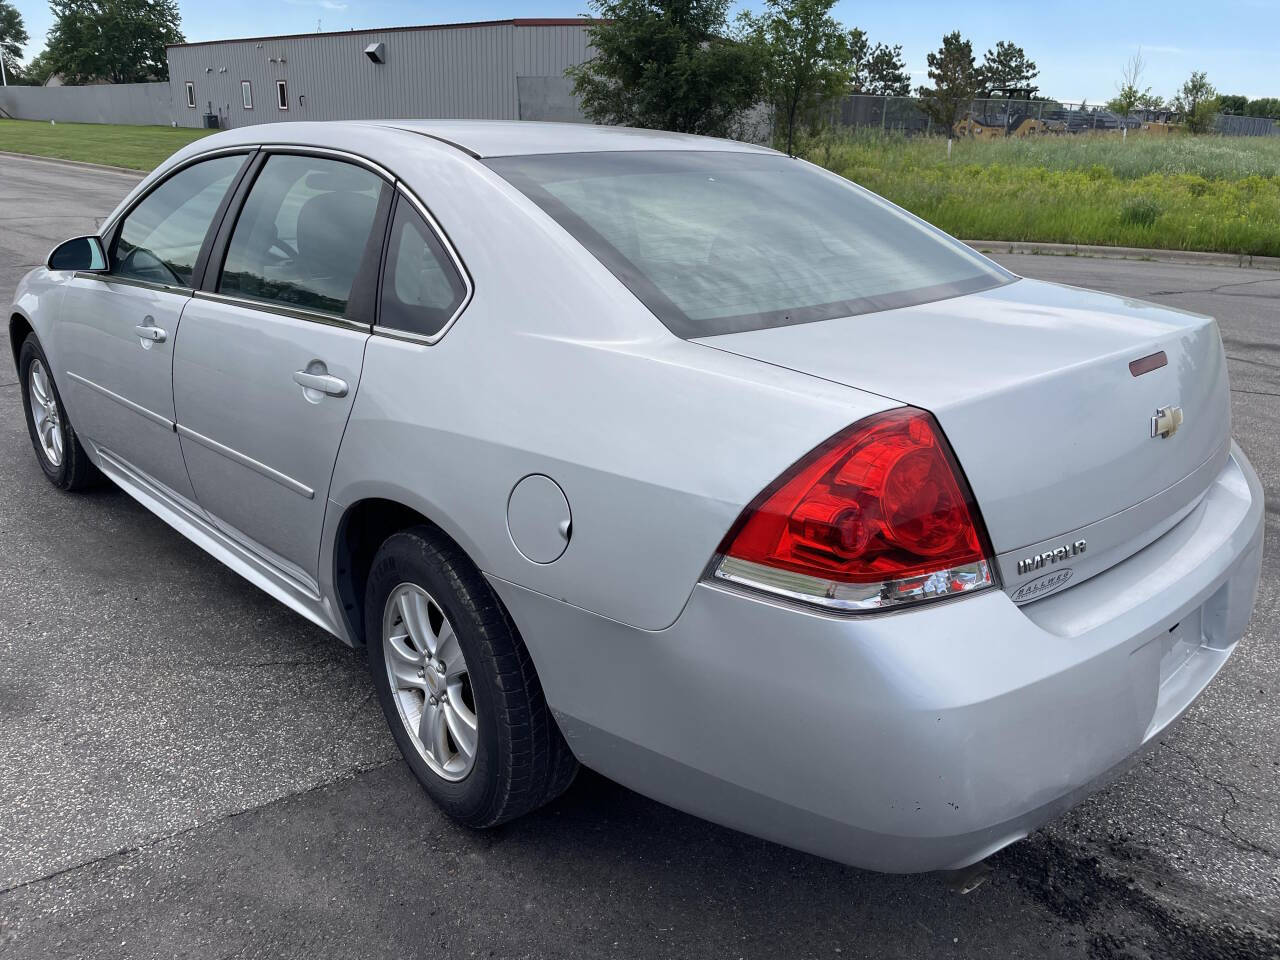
column 722, row 242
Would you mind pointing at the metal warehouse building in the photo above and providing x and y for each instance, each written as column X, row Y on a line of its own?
column 497, row 70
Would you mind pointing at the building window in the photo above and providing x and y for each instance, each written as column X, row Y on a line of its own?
column 191, row 94
column 282, row 95
column 246, row 94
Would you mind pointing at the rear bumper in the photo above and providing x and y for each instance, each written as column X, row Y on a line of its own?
column 926, row 739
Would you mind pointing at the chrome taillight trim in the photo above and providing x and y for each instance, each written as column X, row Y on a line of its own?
column 856, row 597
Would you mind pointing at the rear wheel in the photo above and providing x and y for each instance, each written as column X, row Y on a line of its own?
column 457, row 685
column 57, row 447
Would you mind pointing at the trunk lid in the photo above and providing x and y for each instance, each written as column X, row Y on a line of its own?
column 1032, row 385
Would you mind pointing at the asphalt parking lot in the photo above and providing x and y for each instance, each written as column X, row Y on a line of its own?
column 189, row 769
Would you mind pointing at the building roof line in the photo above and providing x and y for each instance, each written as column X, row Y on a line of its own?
column 517, row 22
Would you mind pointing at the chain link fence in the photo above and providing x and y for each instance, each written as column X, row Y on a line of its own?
column 1001, row 117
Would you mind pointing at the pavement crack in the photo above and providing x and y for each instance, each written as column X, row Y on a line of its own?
column 1231, row 835
column 1259, row 363
column 259, row 664
column 1236, row 343
column 1217, row 289
column 358, row 703
column 1255, row 393
column 155, row 841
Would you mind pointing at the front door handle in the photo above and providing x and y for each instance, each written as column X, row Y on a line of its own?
column 325, row 383
column 149, row 331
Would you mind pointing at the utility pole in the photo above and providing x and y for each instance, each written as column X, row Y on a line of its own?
column 4, row 76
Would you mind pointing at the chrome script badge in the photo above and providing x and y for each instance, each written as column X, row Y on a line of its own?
column 1050, row 557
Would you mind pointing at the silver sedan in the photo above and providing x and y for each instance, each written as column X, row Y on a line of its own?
column 675, row 457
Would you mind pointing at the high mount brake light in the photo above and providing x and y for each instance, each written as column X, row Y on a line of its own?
column 876, row 517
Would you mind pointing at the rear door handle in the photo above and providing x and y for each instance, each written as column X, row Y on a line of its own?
column 325, row 383
column 148, row 331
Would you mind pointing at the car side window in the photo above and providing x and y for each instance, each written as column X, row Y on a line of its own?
column 421, row 289
column 161, row 237
column 302, row 233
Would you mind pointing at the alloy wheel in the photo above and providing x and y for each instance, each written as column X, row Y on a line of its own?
column 429, row 681
column 44, row 412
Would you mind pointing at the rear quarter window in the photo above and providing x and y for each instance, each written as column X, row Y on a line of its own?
column 421, row 288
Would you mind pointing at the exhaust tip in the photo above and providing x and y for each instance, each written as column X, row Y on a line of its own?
column 967, row 879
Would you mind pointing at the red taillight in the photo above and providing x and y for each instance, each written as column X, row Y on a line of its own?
column 878, row 515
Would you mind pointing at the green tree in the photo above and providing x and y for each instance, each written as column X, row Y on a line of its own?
column 1233, row 103
column 668, row 65
column 120, row 41
column 1264, row 107
column 1008, row 67
column 1151, row 101
column 1129, row 96
column 807, row 62
column 880, row 70
column 956, row 77
column 13, row 36
column 37, row 69
column 1197, row 101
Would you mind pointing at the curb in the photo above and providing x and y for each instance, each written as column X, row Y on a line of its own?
column 1193, row 257
column 75, row 163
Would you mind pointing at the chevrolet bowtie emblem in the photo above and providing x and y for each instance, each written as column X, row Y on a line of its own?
column 1166, row 422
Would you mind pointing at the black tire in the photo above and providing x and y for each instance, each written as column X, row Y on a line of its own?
column 522, row 760
column 76, row 471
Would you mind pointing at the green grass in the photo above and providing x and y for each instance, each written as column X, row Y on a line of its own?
column 118, row 145
column 1170, row 192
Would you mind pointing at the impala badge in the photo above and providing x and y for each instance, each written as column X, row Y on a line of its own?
column 1050, row 557
column 1166, row 422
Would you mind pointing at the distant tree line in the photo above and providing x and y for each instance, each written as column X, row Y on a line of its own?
column 1197, row 100
column 683, row 65
column 1244, row 107
column 94, row 41
column 672, row 64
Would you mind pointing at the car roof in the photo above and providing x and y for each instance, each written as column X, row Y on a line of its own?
column 505, row 138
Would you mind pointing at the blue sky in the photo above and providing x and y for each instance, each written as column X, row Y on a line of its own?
column 1080, row 46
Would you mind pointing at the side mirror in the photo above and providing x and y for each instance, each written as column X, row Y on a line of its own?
column 80, row 253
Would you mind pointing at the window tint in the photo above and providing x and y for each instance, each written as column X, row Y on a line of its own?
column 161, row 237
column 721, row 242
column 302, row 233
column 421, row 289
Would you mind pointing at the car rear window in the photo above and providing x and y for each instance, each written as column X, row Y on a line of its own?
column 722, row 242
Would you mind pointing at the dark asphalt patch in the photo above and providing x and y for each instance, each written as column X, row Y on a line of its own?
column 1121, row 920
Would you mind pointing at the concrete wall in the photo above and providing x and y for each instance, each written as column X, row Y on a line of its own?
column 141, row 103
column 474, row 71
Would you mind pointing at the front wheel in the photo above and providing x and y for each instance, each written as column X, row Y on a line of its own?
column 57, row 447
column 457, row 685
